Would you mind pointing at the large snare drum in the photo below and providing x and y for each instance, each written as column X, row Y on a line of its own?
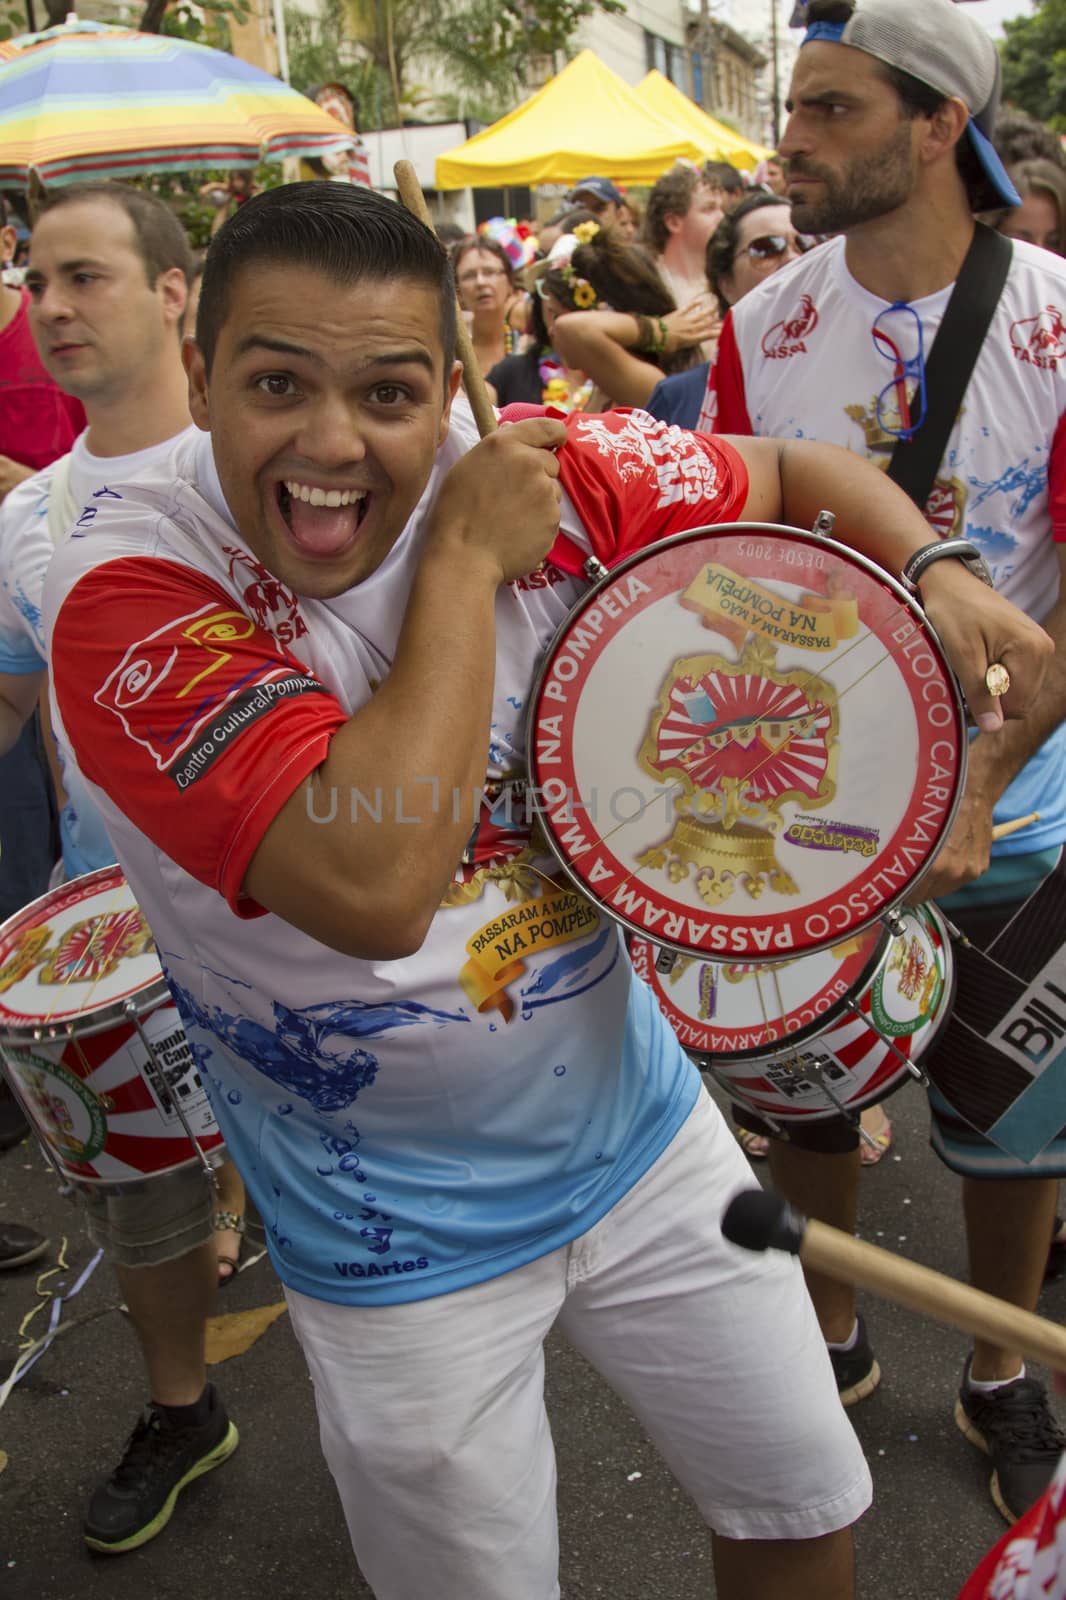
column 804, row 1040
column 92, row 1041
column 746, row 743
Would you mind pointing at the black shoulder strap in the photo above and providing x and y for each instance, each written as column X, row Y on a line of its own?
column 951, row 361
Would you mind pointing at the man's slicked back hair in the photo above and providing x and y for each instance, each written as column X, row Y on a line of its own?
column 341, row 230
column 161, row 240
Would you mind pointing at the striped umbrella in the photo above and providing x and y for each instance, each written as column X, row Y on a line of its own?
column 87, row 101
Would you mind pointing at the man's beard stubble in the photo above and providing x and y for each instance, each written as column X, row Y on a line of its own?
column 869, row 187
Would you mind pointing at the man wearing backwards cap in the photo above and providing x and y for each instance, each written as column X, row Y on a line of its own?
column 892, row 102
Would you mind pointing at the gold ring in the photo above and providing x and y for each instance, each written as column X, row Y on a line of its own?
column 997, row 679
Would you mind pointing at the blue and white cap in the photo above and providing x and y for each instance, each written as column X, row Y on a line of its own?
column 936, row 42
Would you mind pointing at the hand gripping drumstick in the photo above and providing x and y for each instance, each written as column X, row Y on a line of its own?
column 758, row 1220
column 476, row 392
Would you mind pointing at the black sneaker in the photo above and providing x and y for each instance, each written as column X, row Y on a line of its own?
column 1014, row 1426
column 856, row 1370
column 137, row 1500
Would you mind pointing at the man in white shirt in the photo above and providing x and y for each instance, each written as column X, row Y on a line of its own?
column 892, row 104
column 284, row 705
column 107, row 278
column 683, row 211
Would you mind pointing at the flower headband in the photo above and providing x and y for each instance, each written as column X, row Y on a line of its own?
column 585, row 296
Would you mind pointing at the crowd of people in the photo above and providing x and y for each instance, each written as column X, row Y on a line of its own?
column 247, row 493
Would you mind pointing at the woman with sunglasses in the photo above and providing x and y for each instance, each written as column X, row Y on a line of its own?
column 748, row 245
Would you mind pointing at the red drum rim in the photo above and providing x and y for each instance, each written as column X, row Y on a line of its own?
column 696, row 1038
column 18, row 1027
column 752, row 1093
column 922, row 694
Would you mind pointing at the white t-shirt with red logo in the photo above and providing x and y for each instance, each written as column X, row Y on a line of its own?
column 797, row 360
column 405, row 1127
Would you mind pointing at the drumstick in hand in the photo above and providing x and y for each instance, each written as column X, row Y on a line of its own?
column 758, row 1220
column 476, row 392
column 1003, row 830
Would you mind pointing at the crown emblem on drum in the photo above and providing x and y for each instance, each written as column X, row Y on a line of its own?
column 741, row 740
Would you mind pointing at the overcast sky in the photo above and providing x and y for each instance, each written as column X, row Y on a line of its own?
column 993, row 12
column 749, row 14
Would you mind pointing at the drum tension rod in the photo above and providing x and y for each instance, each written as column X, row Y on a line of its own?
column 823, row 524
column 812, row 1074
column 912, row 1066
column 594, row 569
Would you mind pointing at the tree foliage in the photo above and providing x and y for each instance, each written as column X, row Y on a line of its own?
column 1034, row 63
column 383, row 49
column 206, row 21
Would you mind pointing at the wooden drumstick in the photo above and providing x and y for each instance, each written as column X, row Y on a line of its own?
column 762, row 1221
column 476, row 392
column 1003, row 830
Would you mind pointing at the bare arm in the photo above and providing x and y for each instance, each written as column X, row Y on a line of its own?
column 370, row 889
column 996, row 760
column 601, row 344
column 18, row 696
column 795, row 479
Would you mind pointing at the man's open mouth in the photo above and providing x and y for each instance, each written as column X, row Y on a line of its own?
column 322, row 521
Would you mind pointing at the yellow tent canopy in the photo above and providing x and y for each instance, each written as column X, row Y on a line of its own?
column 716, row 141
column 585, row 120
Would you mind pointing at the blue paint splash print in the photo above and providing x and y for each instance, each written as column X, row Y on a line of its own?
column 570, row 974
column 1025, row 480
column 309, row 1052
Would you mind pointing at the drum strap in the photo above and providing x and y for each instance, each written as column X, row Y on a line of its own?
column 62, row 506
column 951, row 361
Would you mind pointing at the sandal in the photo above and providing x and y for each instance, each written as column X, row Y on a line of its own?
column 228, row 1266
column 883, row 1140
column 756, row 1146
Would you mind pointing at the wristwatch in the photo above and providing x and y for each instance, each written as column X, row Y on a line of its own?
column 959, row 549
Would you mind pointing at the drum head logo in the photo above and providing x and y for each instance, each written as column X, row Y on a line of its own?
column 747, row 743
column 907, row 993
column 68, row 1114
column 90, row 950
column 740, row 740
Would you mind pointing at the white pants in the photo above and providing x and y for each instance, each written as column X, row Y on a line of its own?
column 432, row 1413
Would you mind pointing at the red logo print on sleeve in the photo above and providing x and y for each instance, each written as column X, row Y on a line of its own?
column 170, row 683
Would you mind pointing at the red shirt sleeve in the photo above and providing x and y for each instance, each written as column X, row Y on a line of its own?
column 633, row 480
column 186, row 713
column 1056, row 482
column 727, row 383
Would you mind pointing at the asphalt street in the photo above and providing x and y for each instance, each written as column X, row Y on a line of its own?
column 267, row 1525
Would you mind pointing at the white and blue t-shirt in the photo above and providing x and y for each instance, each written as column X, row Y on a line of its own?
column 405, row 1127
